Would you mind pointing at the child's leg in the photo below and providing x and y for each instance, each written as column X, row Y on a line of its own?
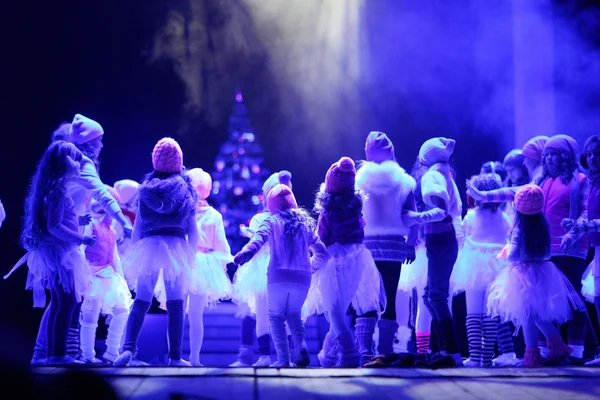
column 196, row 320
column 597, row 294
column 41, row 341
column 176, row 317
column 474, row 326
column 115, row 333
column 90, row 312
column 73, row 345
column 402, row 316
column 66, row 302
column 532, row 357
column 296, row 299
column 422, row 324
column 244, row 358
column 505, row 340
column 278, row 295
column 557, row 349
column 143, row 300
column 262, row 332
column 390, row 275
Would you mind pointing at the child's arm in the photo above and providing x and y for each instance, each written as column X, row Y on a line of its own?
column 220, row 243
column 514, row 252
column 320, row 253
column 192, row 233
column 502, row 195
column 117, row 262
column 577, row 228
column 262, row 235
column 57, row 201
column 89, row 179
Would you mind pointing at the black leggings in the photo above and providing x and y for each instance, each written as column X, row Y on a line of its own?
column 390, row 274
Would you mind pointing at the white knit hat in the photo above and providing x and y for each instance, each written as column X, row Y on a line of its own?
column 127, row 189
column 84, row 130
column 436, row 150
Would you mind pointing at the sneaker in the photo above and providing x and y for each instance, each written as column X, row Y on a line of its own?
column 440, row 360
column 263, row 361
column 303, row 359
column 179, row 363
column 109, row 357
column 196, row 364
column 471, row 363
column 506, row 360
column 94, row 362
column 280, row 364
column 124, row 359
column 594, row 363
column 63, row 361
column 37, row 362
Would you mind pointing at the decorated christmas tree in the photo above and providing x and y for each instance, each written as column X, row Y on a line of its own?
column 238, row 176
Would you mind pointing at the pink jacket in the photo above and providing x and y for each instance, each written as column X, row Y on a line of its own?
column 557, row 198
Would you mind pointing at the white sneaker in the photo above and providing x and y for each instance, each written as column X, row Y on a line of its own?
column 468, row 363
column 506, row 360
column 263, row 361
column 594, row 363
column 179, row 363
column 239, row 364
column 279, row 364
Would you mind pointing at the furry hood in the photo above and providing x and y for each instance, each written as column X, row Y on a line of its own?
column 166, row 196
column 385, row 178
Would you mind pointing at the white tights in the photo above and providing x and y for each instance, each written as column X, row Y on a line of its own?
column 197, row 303
column 90, row 312
column 423, row 322
column 262, row 315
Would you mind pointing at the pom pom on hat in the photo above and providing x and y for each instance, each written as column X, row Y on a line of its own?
column 379, row 147
column 529, row 200
column 83, row 130
column 436, row 150
column 341, row 176
column 127, row 190
column 202, row 182
column 282, row 177
column 534, row 148
column 167, row 156
column 281, row 198
column 563, row 143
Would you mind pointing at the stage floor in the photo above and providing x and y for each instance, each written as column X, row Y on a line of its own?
column 376, row 384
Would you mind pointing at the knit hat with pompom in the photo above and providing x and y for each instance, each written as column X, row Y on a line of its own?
column 534, row 148
column 436, row 150
column 167, row 156
column 379, row 147
column 83, row 130
column 281, row 198
column 282, row 177
column 340, row 176
column 202, row 182
column 529, row 200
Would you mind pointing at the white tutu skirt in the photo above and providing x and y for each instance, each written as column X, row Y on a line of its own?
column 208, row 278
column 476, row 268
column 350, row 276
column 587, row 284
column 52, row 262
column 533, row 290
column 414, row 275
column 250, row 279
column 168, row 256
column 110, row 289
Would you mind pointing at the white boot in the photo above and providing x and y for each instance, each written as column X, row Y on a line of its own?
column 87, row 341
column 263, row 361
column 115, row 333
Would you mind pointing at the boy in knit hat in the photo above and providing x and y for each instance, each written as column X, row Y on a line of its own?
column 289, row 230
column 437, row 189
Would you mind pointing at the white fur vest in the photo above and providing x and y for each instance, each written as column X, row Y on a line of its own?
column 387, row 186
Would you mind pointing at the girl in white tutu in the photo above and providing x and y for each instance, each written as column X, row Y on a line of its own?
column 108, row 293
column 486, row 228
column 167, row 205
column 532, row 291
column 210, row 281
column 51, row 237
column 350, row 276
column 290, row 231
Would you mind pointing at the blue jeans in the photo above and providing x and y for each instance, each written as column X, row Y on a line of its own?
column 285, row 304
column 442, row 250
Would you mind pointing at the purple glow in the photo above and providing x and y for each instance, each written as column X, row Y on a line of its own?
column 238, row 97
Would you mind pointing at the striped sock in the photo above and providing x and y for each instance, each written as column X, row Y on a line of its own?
column 423, row 341
column 505, row 340
column 474, row 335
column 73, row 342
column 490, row 332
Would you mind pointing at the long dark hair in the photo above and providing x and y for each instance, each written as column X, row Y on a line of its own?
column 534, row 234
column 50, row 173
column 331, row 202
column 569, row 166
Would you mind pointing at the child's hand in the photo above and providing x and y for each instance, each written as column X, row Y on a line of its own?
column 85, row 219
column 568, row 224
column 503, row 253
column 89, row 241
column 567, row 242
column 242, row 258
column 473, row 192
column 127, row 231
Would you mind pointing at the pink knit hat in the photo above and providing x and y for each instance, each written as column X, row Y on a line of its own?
column 167, row 156
column 563, row 143
column 340, row 176
column 281, row 198
column 535, row 147
column 529, row 200
column 84, row 130
column 379, row 147
column 284, row 177
column 201, row 181
column 436, row 150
